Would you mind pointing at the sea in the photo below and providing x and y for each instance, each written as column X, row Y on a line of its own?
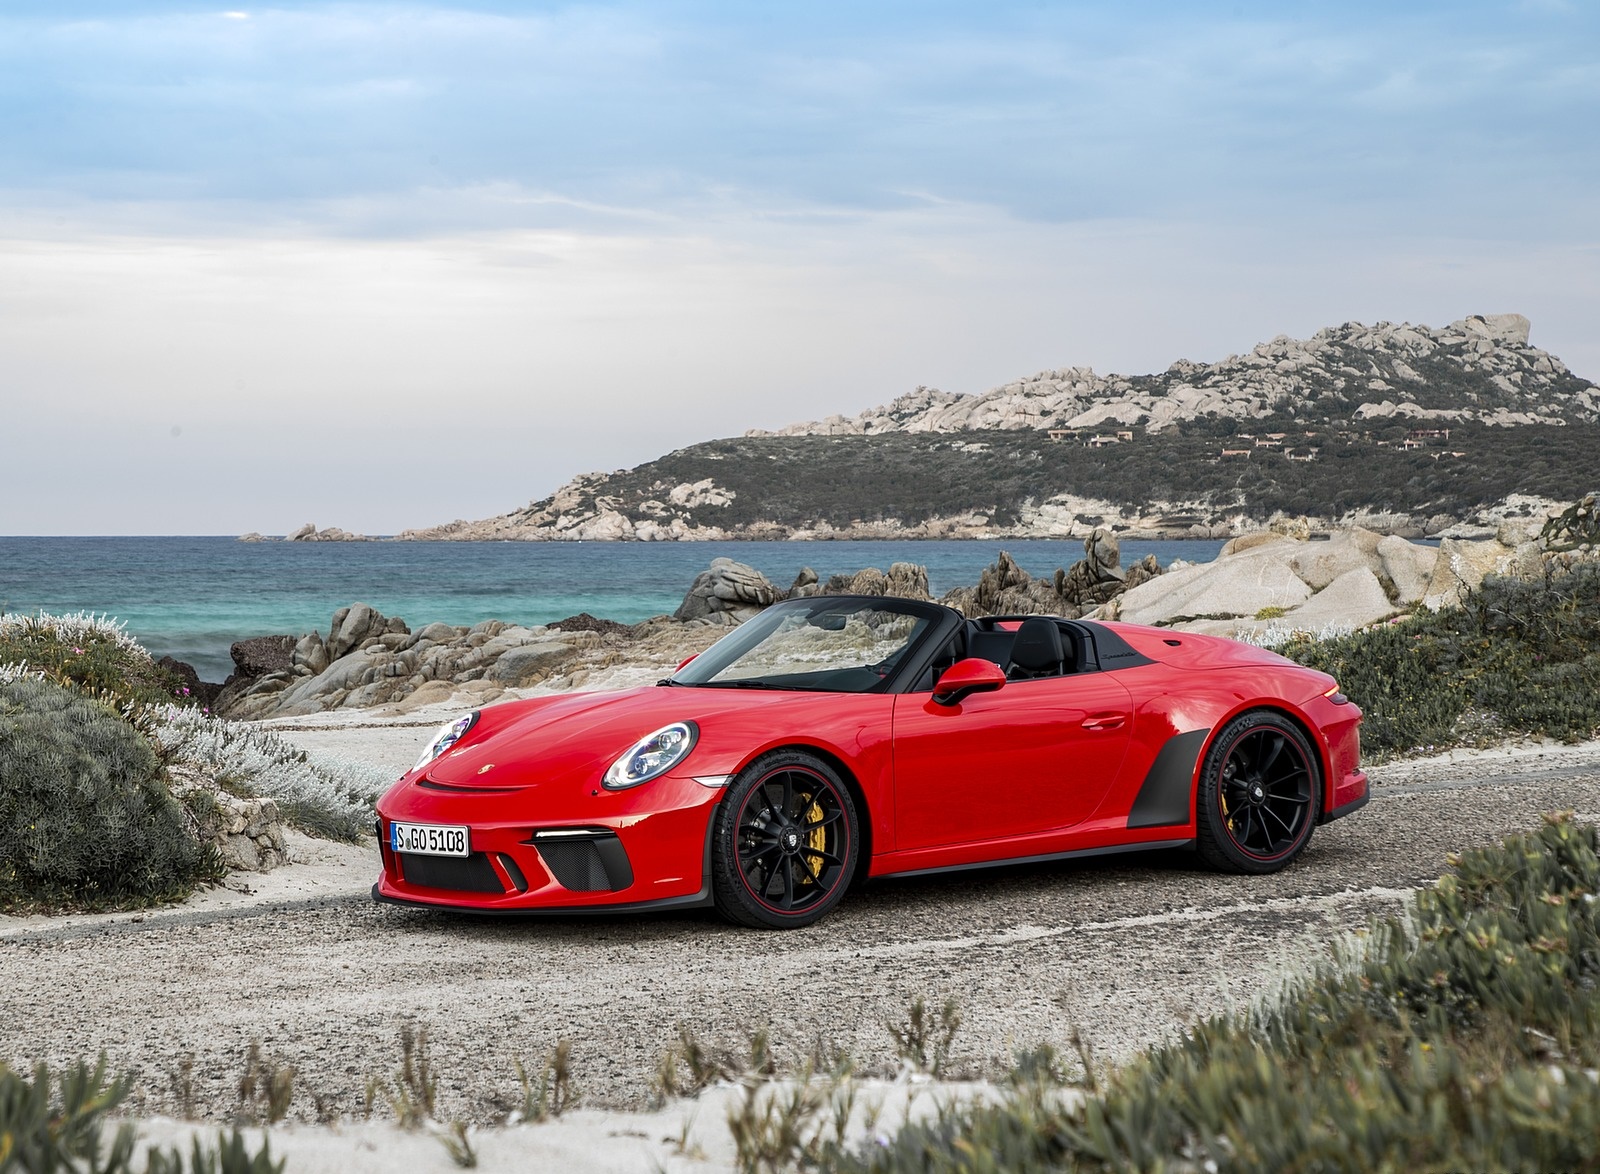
column 193, row 597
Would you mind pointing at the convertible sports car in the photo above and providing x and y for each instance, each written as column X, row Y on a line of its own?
column 835, row 738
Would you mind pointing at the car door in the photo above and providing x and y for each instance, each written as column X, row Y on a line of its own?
column 1033, row 756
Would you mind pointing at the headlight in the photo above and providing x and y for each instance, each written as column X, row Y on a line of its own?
column 652, row 756
column 447, row 737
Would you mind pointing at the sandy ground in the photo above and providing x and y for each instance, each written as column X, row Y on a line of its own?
column 1130, row 948
column 682, row 1137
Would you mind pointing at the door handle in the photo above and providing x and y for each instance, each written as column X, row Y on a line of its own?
column 1105, row 721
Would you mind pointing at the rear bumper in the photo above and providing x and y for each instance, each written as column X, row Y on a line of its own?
column 1349, row 796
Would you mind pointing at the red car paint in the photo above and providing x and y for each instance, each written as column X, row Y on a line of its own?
column 1031, row 768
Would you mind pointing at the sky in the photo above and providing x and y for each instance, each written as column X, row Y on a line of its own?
column 379, row 265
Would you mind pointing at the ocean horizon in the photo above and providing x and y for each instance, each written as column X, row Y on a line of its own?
column 191, row 597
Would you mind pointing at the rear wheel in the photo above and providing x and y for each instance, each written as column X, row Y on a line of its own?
column 1259, row 796
column 785, row 846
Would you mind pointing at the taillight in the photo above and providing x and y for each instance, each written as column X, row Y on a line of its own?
column 1336, row 697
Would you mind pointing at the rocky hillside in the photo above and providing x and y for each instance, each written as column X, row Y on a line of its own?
column 1404, row 429
column 1480, row 368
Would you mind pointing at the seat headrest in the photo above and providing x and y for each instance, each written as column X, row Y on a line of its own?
column 1037, row 645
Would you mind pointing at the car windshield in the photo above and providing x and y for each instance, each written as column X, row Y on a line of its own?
column 831, row 645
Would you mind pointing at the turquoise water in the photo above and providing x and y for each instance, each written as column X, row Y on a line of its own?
column 192, row 597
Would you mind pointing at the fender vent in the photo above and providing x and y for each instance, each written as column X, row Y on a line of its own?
column 597, row 865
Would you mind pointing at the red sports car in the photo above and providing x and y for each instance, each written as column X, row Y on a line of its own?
column 835, row 738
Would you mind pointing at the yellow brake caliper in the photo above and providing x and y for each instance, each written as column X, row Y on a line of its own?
column 816, row 840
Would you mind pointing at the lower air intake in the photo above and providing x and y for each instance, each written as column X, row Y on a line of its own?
column 598, row 865
column 461, row 874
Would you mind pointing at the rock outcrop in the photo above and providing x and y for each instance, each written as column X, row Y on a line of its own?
column 727, row 593
column 902, row 581
column 310, row 533
column 1383, row 371
column 254, row 660
column 1006, row 589
column 1269, row 581
column 1575, row 532
column 201, row 692
column 369, row 659
column 246, row 832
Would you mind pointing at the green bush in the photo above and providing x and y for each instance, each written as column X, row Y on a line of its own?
column 1464, row 1036
column 231, row 1156
column 59, row 1125
column 44, row 1130
column 92, row 654
column 1523, row 655
column 910, row 477
column 85, row 816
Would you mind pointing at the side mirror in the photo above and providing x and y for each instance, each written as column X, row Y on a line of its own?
column 685, row 661
column 966, row 677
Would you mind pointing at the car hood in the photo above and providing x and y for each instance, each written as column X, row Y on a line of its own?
column 578, row 735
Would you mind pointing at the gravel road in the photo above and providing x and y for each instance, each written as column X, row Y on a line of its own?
column 1129, row 948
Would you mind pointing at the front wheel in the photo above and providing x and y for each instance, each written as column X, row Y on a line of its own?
column 1259, row 796
column 786, row 842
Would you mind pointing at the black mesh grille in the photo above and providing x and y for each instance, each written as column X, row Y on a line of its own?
column 588, row 866
column 463, row 874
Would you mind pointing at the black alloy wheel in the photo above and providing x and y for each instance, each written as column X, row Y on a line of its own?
column 785, row 844
column 1260, row 794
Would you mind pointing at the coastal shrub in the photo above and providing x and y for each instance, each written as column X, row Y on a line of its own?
column 91, row 653
column 1519, row 655
column 1464, row 1035
column 85, row 814
column 60, row 1124
column 901, row 479
column 231, row 1155
column 322, row 796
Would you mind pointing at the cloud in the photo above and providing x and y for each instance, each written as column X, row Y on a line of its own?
column 386, row 264
column 378, row 384
column 1059, row 114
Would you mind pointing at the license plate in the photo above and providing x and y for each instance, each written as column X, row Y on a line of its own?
column 428, row 839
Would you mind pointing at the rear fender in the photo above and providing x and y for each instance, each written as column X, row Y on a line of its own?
column 1308, row 726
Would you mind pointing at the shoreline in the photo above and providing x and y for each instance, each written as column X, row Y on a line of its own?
column 1319, row 529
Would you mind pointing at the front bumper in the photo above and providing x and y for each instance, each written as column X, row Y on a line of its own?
column 619, row 851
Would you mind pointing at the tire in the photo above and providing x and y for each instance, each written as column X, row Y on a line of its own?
column 786, row 842
column 1259, row 795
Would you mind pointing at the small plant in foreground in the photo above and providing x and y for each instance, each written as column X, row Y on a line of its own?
column 1465, row 1035
column 703, row 1065
column 231, row 1156
column 774, row 1124
column 265, row 1088
column 920, row 1041
column 457, row 1141
column 555, row 1094
column 416, row 1084
column 60, row 1124
column 797, row 1123
column 1039, row 1065
column 183, row 1086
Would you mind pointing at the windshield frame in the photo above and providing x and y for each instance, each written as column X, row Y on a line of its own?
column 941, row 621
